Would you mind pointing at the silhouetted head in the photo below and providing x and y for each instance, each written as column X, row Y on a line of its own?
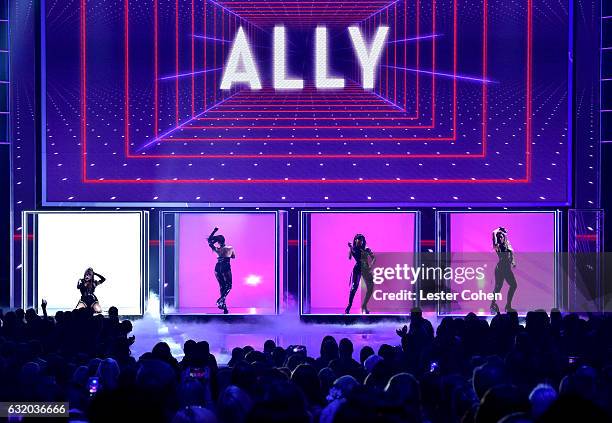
column 371, row 362
column 306, row 378
column 365, row 352
column 237, row 356
column 404, row 389
column 189, row 347
column 269, row 346
column 30, row 315
column 345, row 348
column 234, row 404
column 20, row 313
column 161, row 351
column 278, row 356
column 329, row 348
column 203, row 349
column 108, row 372
column 541, row 398
column 191, row 393
column 342, row 387
column 359, row 241
column 486, row 376
column 219, row 239
column 125, row 327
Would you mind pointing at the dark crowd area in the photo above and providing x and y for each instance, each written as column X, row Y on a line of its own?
column 547, row 368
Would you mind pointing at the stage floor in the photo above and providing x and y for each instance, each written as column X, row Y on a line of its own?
column 224, row 334
column 223, row 337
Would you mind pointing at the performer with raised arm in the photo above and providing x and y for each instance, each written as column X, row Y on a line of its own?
column 223, row 268
column 87, row 286
column 503, row 269
column 364, row 261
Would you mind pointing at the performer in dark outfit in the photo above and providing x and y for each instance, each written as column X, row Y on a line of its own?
column 223, row 268
column 503, row 269
column 87, row 286
column 364, row 260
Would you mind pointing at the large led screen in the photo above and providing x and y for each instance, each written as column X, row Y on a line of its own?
column 237, row 101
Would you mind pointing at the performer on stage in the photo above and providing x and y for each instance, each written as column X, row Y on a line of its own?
column 87, row 286
column 364, row 261
column 223, row 268
column 503, row 269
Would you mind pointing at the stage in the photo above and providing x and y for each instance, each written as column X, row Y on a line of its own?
column 224, row 334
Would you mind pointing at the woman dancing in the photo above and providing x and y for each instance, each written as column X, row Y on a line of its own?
column 364, row 260
column 503, row 269
column 223, row 268
column 87, row 286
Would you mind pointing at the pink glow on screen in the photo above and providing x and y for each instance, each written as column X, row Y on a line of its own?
column 253, row 236
column 282, row 218
column 532, row 236
column 330, row 268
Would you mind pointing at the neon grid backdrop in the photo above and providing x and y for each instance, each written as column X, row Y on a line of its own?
column 452, row 106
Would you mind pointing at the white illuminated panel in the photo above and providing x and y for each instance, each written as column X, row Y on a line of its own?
column 69, row 243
